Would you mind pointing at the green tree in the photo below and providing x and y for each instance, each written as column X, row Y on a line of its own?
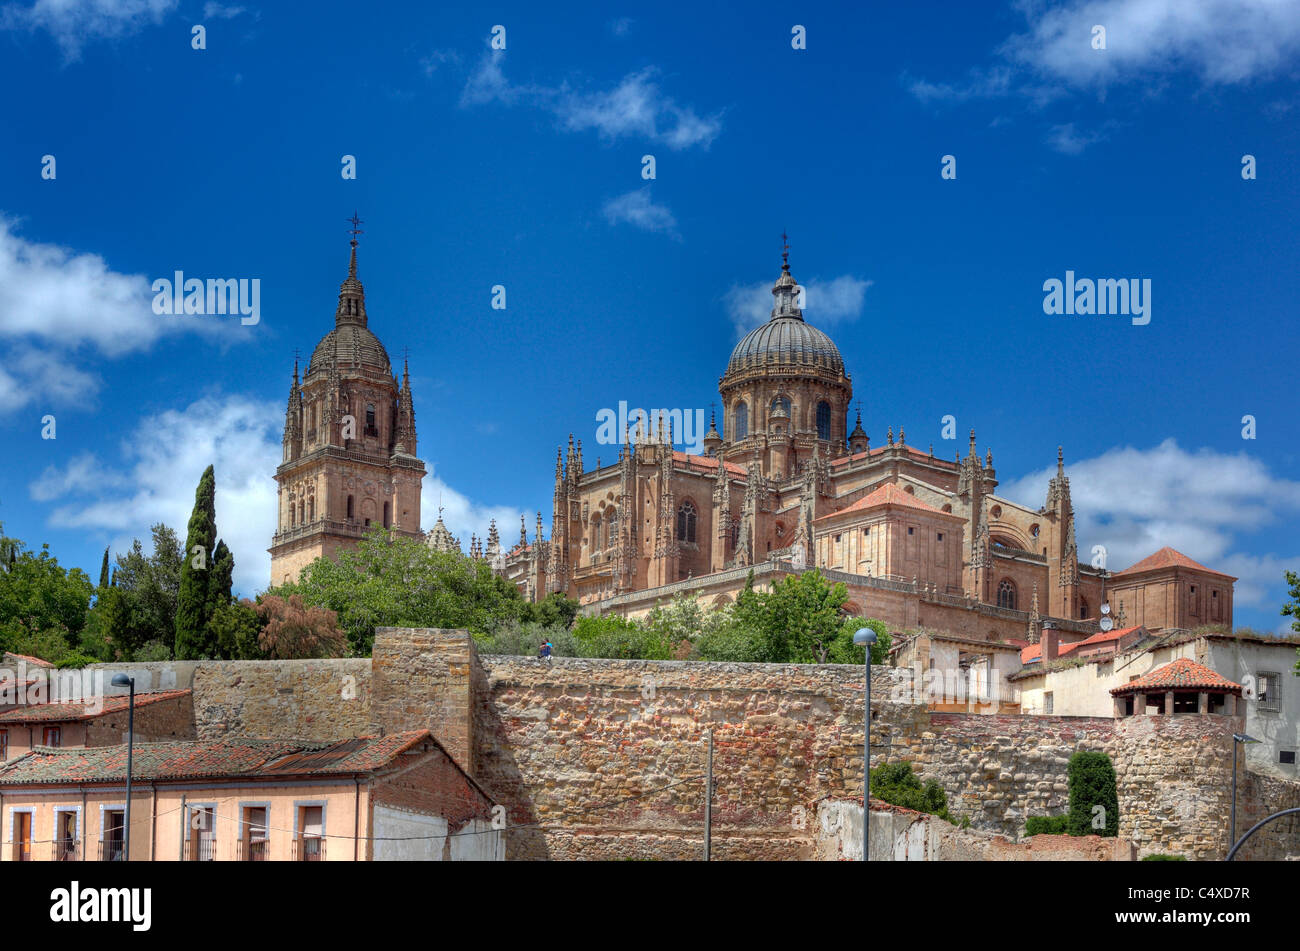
column 1292, row 608
column 844, row 651
column 554, row 609
column 139, row 605
column 103, row 571
column 1094, row 798
column 193, row 609
column 393, row 581
column 221, row 581
column 38, row 596
column 236, row 627
column 803, row 618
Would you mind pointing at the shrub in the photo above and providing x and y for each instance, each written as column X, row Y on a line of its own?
column 1161, row 857
column 1092, row 784
column 896, row 784
column 75, row 661
column 1047, row 825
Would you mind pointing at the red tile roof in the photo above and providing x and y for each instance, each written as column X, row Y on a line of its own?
column 209, row 759
column 71, row 712
column 707, row 462
column 1035, row 651
column 1179, row 674
column 34, row 661
column 887, row 494
column 1169, row 558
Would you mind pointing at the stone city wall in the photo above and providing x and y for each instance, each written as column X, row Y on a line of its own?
column 606, row 758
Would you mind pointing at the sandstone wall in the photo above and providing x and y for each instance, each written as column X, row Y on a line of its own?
column 293, row 699
column 606, row 758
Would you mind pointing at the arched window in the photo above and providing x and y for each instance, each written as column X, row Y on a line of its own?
column 349, row 506
column 385, row 515
column 783, row 402
column 741, row 426
column 371, row 429
column 1083, row 608
column 824, row 420
column 686, row 522
column 293, row 515
column 311, row 509
column 1007, row 594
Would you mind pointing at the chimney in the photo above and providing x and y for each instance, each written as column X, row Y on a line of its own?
column 1051, row 641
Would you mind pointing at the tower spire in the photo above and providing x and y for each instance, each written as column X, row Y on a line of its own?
column 352, row 295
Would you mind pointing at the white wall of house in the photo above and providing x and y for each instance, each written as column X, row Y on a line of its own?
column 1085, row 691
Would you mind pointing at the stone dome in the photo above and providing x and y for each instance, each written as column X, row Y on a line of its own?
column 786, row 341
column 353, row 344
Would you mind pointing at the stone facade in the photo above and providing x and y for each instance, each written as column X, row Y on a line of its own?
column 349, row 445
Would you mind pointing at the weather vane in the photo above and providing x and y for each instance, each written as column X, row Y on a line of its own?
column 356, row 226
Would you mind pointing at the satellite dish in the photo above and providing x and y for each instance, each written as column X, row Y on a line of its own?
column 1105, row 608
column 1107, row 624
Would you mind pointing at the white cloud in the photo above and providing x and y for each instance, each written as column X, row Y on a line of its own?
column 1220, row 42
column 216, row 11
column 621, row 26
column 635, row 107
column 437, row 58
column 161, row 462
column 838, row 300
column 638, row 209
column 1136, row 501
column 1070, row 140
column 58, row 302
column 74, row 23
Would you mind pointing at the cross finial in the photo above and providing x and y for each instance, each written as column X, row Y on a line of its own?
column 785, row 251
column 356, row 227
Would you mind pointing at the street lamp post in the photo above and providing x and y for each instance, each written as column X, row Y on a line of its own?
column 122, row 680
column 866, row 637
column 1236, row 739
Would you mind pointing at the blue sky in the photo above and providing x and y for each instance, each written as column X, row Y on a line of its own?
column 522, row 168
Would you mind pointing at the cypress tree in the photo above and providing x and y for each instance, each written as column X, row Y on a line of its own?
column 220, row 580
column 192, row 606
column 103, row 571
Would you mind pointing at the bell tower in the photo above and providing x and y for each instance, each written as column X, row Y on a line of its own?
column 349, row 460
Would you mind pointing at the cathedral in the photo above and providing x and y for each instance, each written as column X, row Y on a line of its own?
column 349, row 443
column 918, row 540
column 783, row 485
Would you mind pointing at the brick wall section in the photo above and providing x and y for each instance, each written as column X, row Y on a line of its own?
column 162, row 720
column 292, row 699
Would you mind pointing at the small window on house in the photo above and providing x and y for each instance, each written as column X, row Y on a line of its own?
column 349, row 506
column 1286, row 757
column 1269, row 694
column 4, row 745
column 52, row 736
column 837, row 539
column 939, row 537
column 1049, row 702
column 867, row 530
column 911, row 530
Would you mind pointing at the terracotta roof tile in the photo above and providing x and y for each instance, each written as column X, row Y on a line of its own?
column 209, row 759
column 1182, row 674
column 71, row 712
column 887, row 494
column 1168, row 558
column 34, row 661
column 1035, row 651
